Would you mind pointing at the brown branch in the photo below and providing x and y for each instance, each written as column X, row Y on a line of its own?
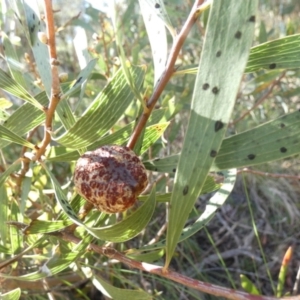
column 177, row 45
column 261, row 100
column 111, row 253
column 25, row 161
column 274, row 175
column 55, row 87
column 171, row 275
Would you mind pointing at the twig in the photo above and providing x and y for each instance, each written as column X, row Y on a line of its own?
column 274, row 175
column 55, row 87
column 179, row 40
column 261, row 100
column 105, row 50
column 25, row 162
column 158, row 270
column 158, row 235
column 111, row 253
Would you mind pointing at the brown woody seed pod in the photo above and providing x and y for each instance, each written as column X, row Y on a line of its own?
column 110, row 177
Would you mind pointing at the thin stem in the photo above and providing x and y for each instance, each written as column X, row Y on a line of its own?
column 158, row 270
column 261, row 100
column 177, row 45
column 273, row 175
column 55, row 87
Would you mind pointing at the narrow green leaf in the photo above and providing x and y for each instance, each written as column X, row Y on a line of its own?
column 147, row 257
column 7, row 135
column 282, row 276
column 166, row 164
column 81, row 78
column 215, row 202
column 80, row 42
column 104, row 112
column 65, row 114
column 157, row 8
column 25, row 189
column 125, row 64
column 209, row 186
column 223, row 60
column 3, row 213
column 39, row 226
column 39, row 49
column 14, row 88
column 261, row 82
column 4, row 103
column 16, row 240
column 119, row 137
column 61, row 198
column 55, row 265
column 211, row 207
column 248, row 285
column 157, row 36
column 131, row 226
column 152, row 134
column 278, row 54
column 20, row 125
column 12, row 295
column 4, row 250
column 116, row 293
column 12, row 168
column 13, row 60
column 270, row 141
column 4, row 115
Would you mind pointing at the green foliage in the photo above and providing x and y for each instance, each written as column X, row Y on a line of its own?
column 188, row 143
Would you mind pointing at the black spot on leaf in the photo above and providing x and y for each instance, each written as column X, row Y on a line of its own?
column 185, row 190
column 218, row 54
column 205, row 86
column 272, row 66
column 69, row 209
column 252, row 19
column 78, row 80
column 155, row 169
column 215, row 90
column 282, row 125
column 157, row 5
column 63, row 201
column 251, row 156
column 238, row 35
column 213, row 153
column 32, row 28
column 283, row 150
column 219, row 125
column 174, row 170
